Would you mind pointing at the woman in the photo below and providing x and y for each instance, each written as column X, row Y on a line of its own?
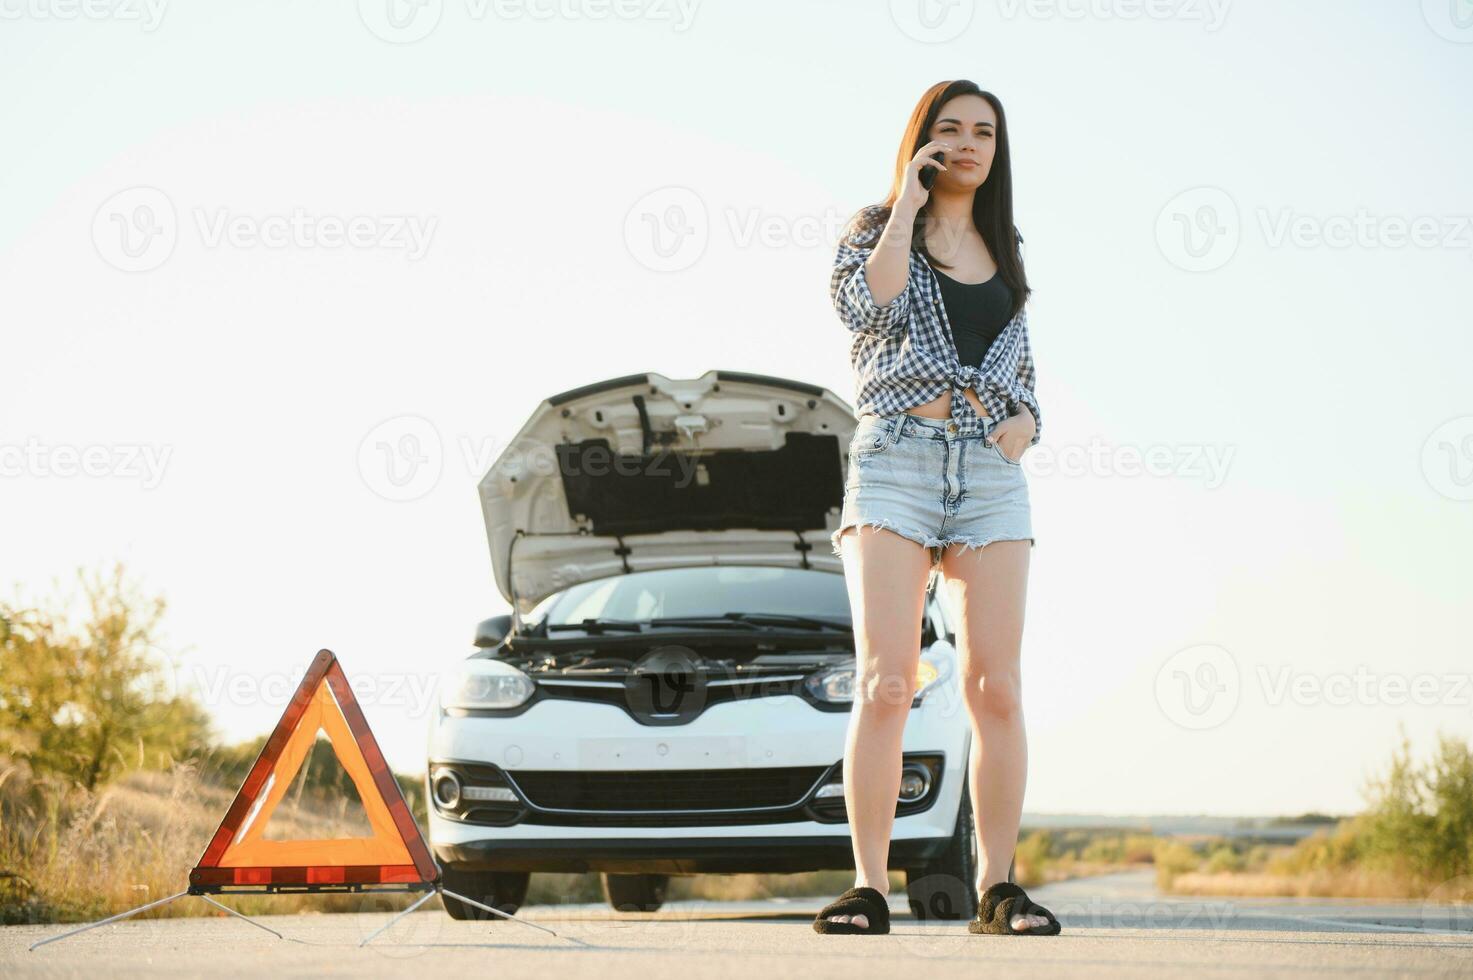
column 931, row 286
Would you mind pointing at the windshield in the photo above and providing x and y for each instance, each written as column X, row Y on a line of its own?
column 705, row 591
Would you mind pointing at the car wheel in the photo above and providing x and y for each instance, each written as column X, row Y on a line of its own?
column 636, row 893
column 504, row 890
column 946, row 888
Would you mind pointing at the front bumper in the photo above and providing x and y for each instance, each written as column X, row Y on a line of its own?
column 679, row 855
column 742, row 735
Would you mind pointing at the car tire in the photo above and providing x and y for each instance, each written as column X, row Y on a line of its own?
column 636, row 893
column 504, row 890
column 945, row 889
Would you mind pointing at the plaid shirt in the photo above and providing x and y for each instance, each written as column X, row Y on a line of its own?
column 903, row 354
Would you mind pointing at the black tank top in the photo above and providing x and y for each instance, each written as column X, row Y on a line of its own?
column 977, row 312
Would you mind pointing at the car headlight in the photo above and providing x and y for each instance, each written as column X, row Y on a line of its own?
column 836, row 684
column 483, row 683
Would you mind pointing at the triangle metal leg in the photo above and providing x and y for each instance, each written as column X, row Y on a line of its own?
column 429, row 894
column 417, row 903
column 111, row 918
column 156, row 904
column 240, row 915
column 487, row 908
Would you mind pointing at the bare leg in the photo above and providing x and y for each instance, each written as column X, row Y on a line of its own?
column 988, row 587
column 886, row 575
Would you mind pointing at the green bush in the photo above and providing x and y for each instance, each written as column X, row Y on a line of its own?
column 1032, row 857
column 1224, row 858
column 1418, row 822
column 1173, row 858
column 85, row 700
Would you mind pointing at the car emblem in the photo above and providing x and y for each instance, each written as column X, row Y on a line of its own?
column 667, row 686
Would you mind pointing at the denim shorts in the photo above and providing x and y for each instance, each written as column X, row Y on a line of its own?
column 910, row 474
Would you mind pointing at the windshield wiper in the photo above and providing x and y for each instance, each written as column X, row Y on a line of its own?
column 746, row 620
column 600, row 625
column 785, row 619
column 707, row 622
column 757, row 622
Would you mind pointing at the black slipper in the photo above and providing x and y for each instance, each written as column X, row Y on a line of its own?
column 864, row 901
column 1003, row 900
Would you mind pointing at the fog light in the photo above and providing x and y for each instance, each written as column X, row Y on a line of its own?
column 830, row 790
column 446, row 787
column 915, row 783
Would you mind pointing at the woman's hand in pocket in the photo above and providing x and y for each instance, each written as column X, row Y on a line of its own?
column 1013, row 434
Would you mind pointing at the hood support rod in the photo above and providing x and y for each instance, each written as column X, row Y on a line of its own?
column 802, row 548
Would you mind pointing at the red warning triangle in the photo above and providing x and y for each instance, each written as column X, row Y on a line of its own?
column 240, row 854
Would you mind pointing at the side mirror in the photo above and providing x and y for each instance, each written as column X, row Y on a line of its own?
column 490, row 632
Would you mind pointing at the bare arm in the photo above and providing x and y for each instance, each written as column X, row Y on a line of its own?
column 880, row 306
column 849, row 286
column 888, row 267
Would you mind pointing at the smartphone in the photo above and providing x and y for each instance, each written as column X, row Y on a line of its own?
column 928, row 174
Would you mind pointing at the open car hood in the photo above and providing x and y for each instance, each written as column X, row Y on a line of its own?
column 645, row 472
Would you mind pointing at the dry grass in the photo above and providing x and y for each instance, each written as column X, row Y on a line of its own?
column 756, row 887
column 1355, row 883
column 72, row 855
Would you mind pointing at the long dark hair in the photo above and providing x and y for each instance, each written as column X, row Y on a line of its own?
column 992, row 206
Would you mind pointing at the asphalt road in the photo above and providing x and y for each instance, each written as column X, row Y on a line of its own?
column 1115, row 925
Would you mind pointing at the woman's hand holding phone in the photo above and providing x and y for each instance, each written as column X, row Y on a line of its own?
column 889, row 266
column 920, row 174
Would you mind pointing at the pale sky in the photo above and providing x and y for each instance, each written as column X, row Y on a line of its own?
column 1247, row 229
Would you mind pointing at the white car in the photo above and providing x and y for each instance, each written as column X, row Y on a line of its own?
column 671, row 692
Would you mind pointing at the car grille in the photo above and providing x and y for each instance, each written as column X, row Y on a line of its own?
column 662, row 798
column 653, row 792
